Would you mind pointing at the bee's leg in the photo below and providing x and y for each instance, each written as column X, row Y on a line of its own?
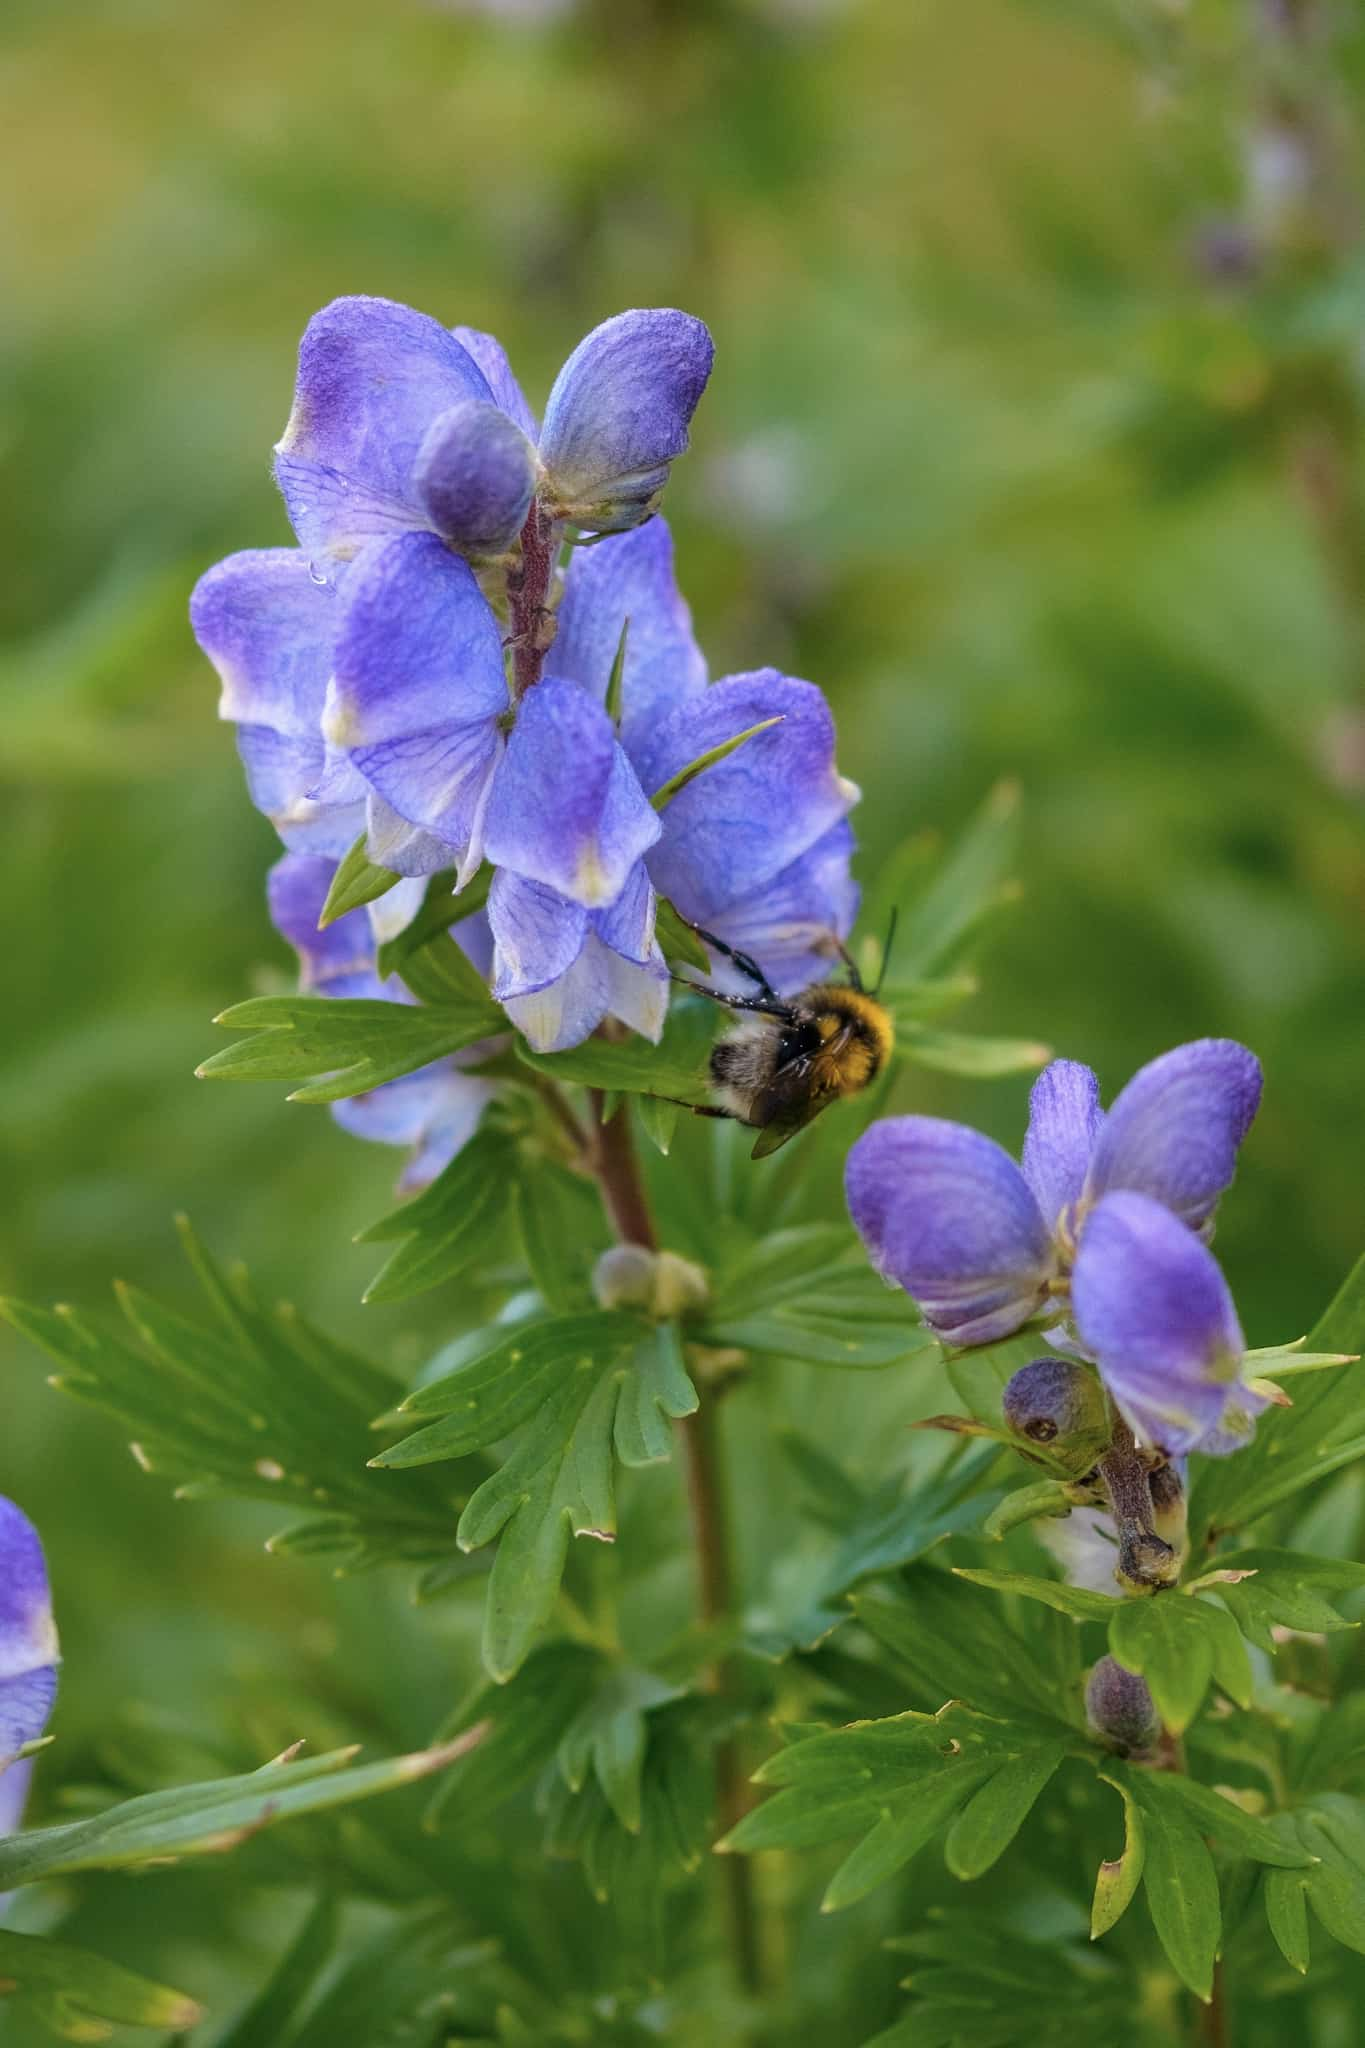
column 698, row 1108
column 747, row 966
column 774, row 1008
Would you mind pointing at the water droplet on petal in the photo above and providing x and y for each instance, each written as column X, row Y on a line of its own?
column 315, row 575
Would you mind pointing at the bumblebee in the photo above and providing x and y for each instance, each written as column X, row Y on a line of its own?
column 782, row 1062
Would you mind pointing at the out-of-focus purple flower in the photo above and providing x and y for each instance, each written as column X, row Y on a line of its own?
column 432, row 1112
column 28, row 1655
column 401, row 425
column 981, row 1244
column 1153, row 1309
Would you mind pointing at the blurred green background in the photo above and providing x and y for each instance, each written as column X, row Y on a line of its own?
column 1012, row 445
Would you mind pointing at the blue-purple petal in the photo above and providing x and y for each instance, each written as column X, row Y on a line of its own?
column 741, row 822
column 435, row 1111
column 566, row 809
column 1063, row 1124
column 1174, row 1131
column 787, row 924
column 372, row 377
column 630, row 578
column 945, row 1213
column 1153, row 1309
column 559, row 970
column 619, row 413
column 491, row 357
column 419, row 687
column 474, row 477
column 296, row 890
column 28, row 1637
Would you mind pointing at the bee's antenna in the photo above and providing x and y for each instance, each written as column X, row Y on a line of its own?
column 886, row 949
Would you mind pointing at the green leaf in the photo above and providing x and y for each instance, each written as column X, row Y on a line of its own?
column 810, row 1294
column 1182, row 1892
column 1214, row 1814
column 441, row 908
column 965, row 1648
column 664, row 795
column 1116, row 1882
column 1295, row 1446
column 335, row 1047
column 1286, row 1908
column 573, row 1388
column 1285, row 1591
column 678, row 942
column 266, row 2021
column 607, row 1738
column 958, row 1052
column 440, row 972
column 618, row 671
column 992, row 1817
column 198, row 1820
column 967, row 887
column 657, row 1391
column 562, row 1227
column 676, row 1067
column 249, row 1402
column 356, row 882
column 659, row 1121
column 83, row 1996
column 1077, row 1601
column 1171, row 1640
column 459, row 1221
column 899, row 1782
column 525, row 1721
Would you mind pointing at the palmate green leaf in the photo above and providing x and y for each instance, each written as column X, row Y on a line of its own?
column 900, row 1782
column 946, row 1643
column 561, row 1384
column 208, row 1819
column 1167, row 1817
column 357, row 881
column 332, row 1047
column 458, row 1222
column 562, row 1229
column 810, row 1294
column 607, row 1739
column 979, row 1984
column 1295, row 1446
column 881, row 1529
column 410, row 1986
column 253, row 1403
column 1330, row 1830
column 1286, row 1590
column 635, row 1867
column 1179, row 1643
column 83, row 1997
column 525, row 1719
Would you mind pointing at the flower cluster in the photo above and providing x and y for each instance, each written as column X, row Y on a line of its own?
column 28, row 1655
column 1105, row 1227
column 419, row 670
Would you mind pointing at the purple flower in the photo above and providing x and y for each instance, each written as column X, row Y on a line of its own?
column 28, row 1655
column 982, row 1244
column 1152, row 1307
column 400, row 425
column 434, row 1111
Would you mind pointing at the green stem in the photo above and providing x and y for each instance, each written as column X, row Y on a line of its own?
column 627, row 1205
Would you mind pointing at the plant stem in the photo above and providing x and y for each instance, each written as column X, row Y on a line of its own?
column 627, row 1205
column 1213, row 2017
column 528, row 588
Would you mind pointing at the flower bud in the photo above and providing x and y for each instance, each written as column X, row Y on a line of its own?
column 661, row 1283
column 1060, row 1404
column 1120, row 1708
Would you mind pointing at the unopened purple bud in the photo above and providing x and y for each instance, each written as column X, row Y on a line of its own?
column 475, row 477
column 1120, row 1708
column 1055, row 1400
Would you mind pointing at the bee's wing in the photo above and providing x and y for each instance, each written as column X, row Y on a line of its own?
column 794, row 1098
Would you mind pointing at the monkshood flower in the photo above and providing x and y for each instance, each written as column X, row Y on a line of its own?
column 432, row 1112
column 373, row 697
column 1109, row 1211
column 28, row 1655
column 400, row 425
